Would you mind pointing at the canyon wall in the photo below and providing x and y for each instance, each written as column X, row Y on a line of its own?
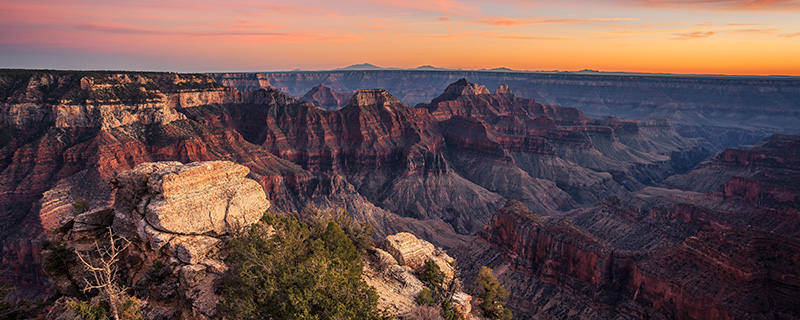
column 727, row 253
column 727, row 111
column 439, row 171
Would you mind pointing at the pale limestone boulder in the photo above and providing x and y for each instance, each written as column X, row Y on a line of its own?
column 215, row 266
column 382, row 258
column 131, row 194
column 462, row 305
column 411, row 252
column 408, row 250
column 204, row 197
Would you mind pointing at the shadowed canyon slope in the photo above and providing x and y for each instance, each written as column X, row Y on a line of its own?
column 729, row 253
column 440, row 171
column 727, row 111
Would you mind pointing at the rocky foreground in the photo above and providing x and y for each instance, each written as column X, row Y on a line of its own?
column 177, row 221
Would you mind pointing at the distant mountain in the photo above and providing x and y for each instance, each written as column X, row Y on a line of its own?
column 360, row 67
column 503, row 69
column 429, row 67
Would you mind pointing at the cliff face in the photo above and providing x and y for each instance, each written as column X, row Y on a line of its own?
column 555, row 147
column 60, row 141
column 176, row 220
column 659, row 252
column 327, row 99
column 727, row 111
column 440, row 174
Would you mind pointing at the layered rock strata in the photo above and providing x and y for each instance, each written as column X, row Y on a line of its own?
column 660, row 253
column 396, row 167
column 393, row 272
column 177, row 219
column 727, row 111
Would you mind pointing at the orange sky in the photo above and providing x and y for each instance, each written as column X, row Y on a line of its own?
column 760, row 37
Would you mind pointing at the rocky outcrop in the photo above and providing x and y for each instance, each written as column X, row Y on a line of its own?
column 325, row 98
column 554, row 267
column 393, row 271
column 412, row 252
column 170, row 197
column 543, row 141
column 177, row 219
column 103, row 99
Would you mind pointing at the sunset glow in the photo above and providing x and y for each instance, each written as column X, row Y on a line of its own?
column 671, row 36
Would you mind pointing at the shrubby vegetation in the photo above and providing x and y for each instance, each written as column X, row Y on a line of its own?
column 492, row 292
column 437, row 292
column 360, row 233
column 425, row 297
column 284, row 268
column 80, row 205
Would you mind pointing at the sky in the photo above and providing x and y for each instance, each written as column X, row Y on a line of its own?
column 755, row 37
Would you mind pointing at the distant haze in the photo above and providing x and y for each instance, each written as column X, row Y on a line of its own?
column 685, row 37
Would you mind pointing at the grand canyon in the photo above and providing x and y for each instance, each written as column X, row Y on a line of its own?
column 591, row 196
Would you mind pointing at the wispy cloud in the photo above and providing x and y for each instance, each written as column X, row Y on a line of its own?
column 749, row 5
column 510, row 22
column 533, row 38
column 262, row 34
column 447, row 7
column 791, row 35
column 693, row 35
column 117, row 28
column 756, row 31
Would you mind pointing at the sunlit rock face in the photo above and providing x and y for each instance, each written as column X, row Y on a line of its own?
column 176, row 220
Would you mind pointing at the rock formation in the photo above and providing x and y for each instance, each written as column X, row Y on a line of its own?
column 172, row 196
column 325, row 98
column 660, row 252
column 727, row 111
column 177, row 218
column 393, row 272
column 65, row 135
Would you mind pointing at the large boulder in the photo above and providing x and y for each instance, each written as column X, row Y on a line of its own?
column 412, row 252
column 204, row 197
column 213, row 197
column 178, row 218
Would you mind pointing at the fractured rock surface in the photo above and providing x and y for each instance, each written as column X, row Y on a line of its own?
column 177, row 218
column 212, row 197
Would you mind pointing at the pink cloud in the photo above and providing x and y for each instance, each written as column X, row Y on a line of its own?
column 448, row 7
column 756, row 31
column 724, row 4
column 693, row 35
column 534, row 21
